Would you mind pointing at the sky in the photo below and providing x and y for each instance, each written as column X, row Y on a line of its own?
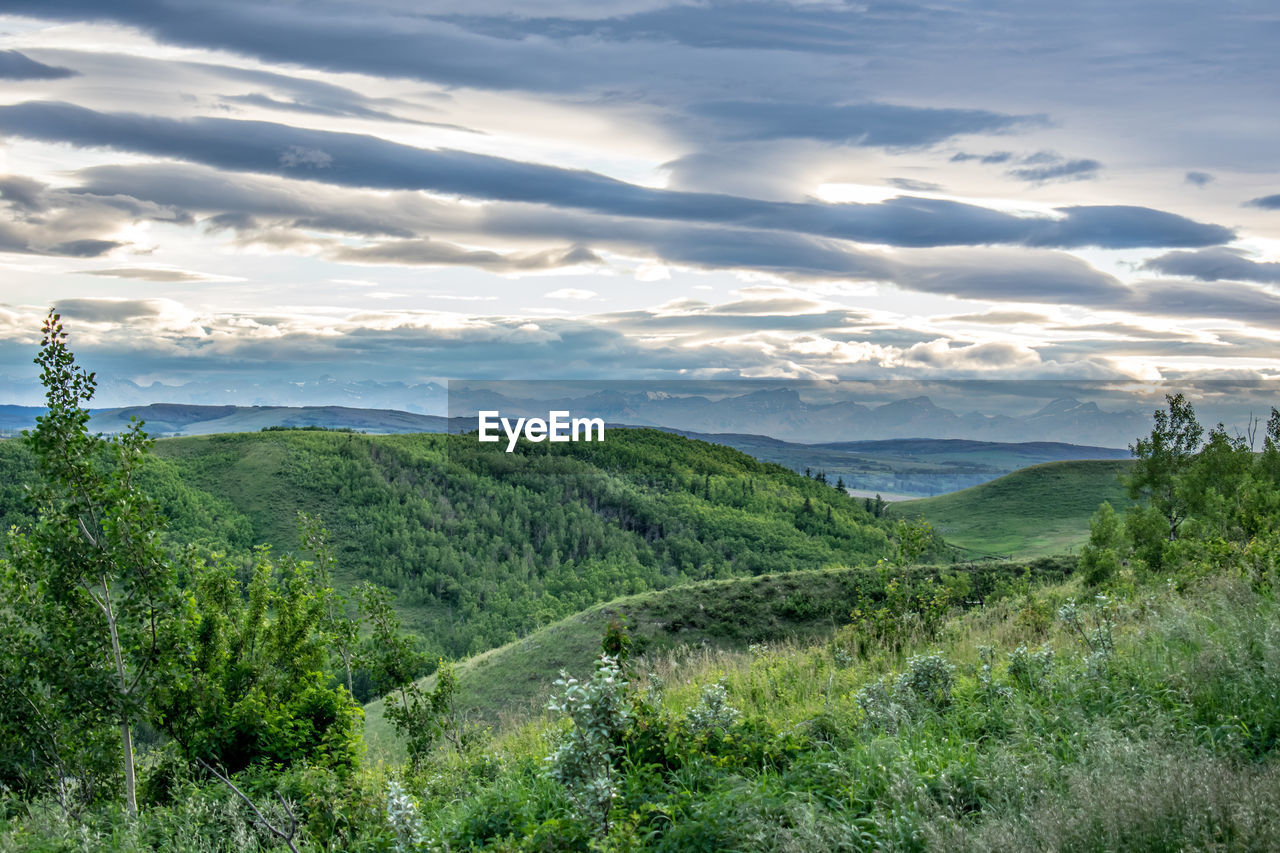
column 237, row 196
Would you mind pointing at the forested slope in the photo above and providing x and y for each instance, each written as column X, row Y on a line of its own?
column 483, row 546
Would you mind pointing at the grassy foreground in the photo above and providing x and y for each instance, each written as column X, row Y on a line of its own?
column 512, row 682
column 1039, row 510
column 1141, row 720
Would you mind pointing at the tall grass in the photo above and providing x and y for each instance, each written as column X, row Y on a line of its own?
column 1006, row 730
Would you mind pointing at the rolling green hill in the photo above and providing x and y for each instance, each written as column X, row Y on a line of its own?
column 484, row 547
column 516, row 679
column 1042, row 509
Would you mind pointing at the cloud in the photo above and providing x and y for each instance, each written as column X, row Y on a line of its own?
column 365, row 161
column 1266, row 202
column 105, row 310
column 952, row 357
column 18, row 66
column 156, row 274
column 1217, row 264
column 995, row 157
column 998, row 318
column 426, row 252
column 914, row 186
column 38, row 219
column 278, row 211
column 870, row 124
column 1225, row 300
column 1126, row 226
column 1199, row 179
column 1038, row 168
column 1006, row 275
column 23, row 194
column 571, row 293
column 296, row 156
column 1067, row 170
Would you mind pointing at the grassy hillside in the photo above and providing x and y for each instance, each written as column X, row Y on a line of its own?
column 1043, row 509
column 483, row 547
column 1005, row 734
column 727, row 615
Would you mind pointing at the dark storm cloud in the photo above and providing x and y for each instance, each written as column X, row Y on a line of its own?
column 1039, row 167
column 1266, row 202
column 1218, row 264
column 365, row 161
column 873, row 124
column 18, row 66
column 1199, row 179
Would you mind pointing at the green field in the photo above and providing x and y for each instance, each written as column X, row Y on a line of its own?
column 1042, row 509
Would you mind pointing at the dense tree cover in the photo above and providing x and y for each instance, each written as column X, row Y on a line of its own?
column 483, row 546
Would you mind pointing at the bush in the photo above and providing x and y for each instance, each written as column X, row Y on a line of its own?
column 586, row 761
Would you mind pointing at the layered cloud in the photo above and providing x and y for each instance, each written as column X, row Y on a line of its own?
column 18, row 66
column 645, row 188
column 355, row 160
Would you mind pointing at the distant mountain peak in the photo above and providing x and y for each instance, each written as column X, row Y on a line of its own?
column 1066, row 405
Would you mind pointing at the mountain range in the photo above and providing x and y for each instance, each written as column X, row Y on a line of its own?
column 782, row 413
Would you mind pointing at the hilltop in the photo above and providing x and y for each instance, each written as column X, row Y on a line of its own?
column 1041, row 509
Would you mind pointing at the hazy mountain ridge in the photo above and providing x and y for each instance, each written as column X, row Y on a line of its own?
column 170, row 419
column 782, row 413
column 419, row 398
column 909, row 466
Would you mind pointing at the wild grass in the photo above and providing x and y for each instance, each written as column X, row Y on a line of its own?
column 1004, row 730
column 1163, row 743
